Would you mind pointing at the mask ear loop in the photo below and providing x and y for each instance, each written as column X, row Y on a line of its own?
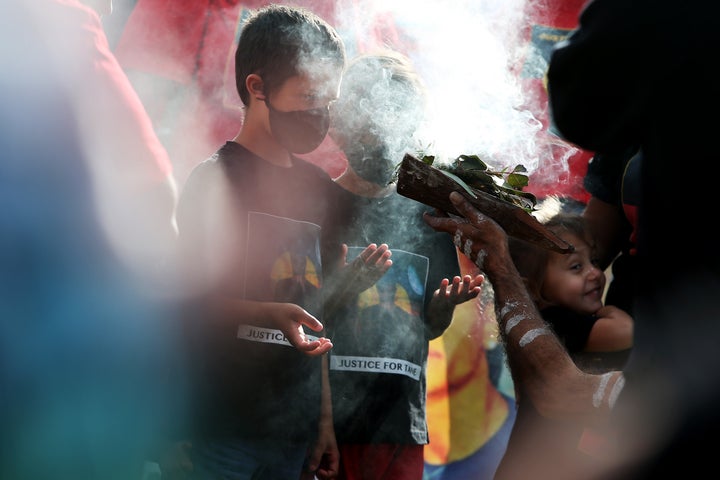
column 268, row 105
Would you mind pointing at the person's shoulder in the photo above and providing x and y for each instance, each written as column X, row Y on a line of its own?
column 342, row 194
column 208, row 164
column 230, row 154
column 207, row 170
column 232, row 151
column 564, row 320
column 571, row 327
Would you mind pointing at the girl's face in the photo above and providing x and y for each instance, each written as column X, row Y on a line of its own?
column 573, row 280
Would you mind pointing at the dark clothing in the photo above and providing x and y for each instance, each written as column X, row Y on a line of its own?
column 614, row 179
column 379, row 359
column 573, row 329
column 637, row 72
column 252, row 383
column 606, row 178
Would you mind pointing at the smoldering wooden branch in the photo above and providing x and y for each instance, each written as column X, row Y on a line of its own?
column 428, row 185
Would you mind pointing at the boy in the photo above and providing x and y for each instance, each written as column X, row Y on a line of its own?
column 242, row 213
column 381, row 336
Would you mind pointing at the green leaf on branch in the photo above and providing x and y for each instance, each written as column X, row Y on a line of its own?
column 471, row 172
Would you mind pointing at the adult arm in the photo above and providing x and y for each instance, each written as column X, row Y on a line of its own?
column 541, row 367
column 612, row 331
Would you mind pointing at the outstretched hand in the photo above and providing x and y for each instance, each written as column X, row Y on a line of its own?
column 357, row 276
column 290, row 318
column 368, row 267
column 446, row 297
column 461, row 290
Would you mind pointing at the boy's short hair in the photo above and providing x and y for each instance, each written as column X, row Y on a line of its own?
column 278, row 40
column 380, row 90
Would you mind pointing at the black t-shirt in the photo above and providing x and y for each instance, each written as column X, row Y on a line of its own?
column 572, row 328
column 614, row 179
column 378, row 362
column 241, row 222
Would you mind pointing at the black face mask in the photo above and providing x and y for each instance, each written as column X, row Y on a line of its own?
column 299, row 131
column 372, row 163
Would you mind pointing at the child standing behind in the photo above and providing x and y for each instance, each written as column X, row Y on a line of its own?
column 380, row 337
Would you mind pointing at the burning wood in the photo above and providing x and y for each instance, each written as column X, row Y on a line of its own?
column 428, row 185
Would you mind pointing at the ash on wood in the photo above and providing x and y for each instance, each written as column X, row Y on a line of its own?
column 428, row 185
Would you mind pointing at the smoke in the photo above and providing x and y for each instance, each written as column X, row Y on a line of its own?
column 469, row 54
column 466, row 53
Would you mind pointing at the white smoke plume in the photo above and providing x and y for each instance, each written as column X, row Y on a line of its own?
column 465, row 53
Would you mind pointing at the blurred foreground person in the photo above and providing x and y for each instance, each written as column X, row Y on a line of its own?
column 634, row 74
column 614, row 187
column 86, row 353
column 134, row 190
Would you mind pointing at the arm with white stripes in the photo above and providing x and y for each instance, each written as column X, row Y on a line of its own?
column 541, row 368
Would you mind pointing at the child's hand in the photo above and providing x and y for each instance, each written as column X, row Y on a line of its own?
column 368, row 267
column 290, row 318
column 324, row 458
column 445, row 298
column 461, row 290
column 356, row 277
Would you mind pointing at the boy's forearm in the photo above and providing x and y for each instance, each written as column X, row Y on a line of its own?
column 438, row 317
column 326, row 427
column 326, row 413
column 229, row 312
